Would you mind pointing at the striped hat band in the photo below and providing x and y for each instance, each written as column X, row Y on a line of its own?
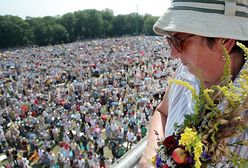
column 211, row 18
column 228, row 7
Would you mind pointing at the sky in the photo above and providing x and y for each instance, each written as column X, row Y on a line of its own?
column 40, row 8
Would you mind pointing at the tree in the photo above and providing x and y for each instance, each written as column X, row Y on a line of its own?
column 47, row 30
column 56, row 34
column 119, row 25
column 131, row 24
column 13, row 31
column 148, row 24
column 69, row 22
column 89, row 23
column 39, row 29
column 86, row 24
column 108, row 18
column 50, row 20
column 134, row 24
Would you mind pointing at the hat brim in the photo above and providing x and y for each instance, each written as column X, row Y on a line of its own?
column 203, row 24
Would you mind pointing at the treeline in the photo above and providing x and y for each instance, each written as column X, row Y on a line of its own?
column 80, row 25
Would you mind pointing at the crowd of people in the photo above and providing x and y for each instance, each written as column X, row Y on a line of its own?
column 68, row 105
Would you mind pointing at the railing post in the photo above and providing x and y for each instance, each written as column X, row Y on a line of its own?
column 132, row 157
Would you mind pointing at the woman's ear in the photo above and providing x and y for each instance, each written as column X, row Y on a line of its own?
column 228, row 44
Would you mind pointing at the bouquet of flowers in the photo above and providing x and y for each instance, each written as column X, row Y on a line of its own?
column 203, row 138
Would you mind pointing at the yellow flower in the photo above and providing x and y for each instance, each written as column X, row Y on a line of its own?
column 185, row 84
column 153, row 160
column 207, row 97
column 190, row 139
column 189, row 87
column 197, row 153
column 187, row 138
column 244, row 48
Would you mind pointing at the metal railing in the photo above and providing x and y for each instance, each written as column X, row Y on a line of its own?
column 132, row 157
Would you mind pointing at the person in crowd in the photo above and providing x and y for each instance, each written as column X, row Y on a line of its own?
column 130, row 139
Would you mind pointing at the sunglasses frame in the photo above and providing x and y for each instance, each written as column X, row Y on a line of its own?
column 177, row 42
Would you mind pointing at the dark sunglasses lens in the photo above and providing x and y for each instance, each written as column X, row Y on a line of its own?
column 176, row 43
column 168, row 39
column 172, row 41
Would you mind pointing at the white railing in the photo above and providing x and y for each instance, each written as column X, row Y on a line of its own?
column 132, row 157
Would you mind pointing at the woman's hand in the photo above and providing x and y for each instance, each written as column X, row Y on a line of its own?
column 146, row 160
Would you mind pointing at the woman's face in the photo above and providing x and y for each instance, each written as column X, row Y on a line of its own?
column 205, row 63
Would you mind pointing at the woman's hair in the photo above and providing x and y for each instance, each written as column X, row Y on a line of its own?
column 211, row 41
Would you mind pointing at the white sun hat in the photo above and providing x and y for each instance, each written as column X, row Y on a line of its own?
column 210, row 18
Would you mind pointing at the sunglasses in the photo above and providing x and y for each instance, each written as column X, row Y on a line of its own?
column 177, row 42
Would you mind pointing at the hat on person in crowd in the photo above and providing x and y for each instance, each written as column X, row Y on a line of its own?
column 210, row 18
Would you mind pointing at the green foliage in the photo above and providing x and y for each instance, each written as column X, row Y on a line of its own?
column 149, row 21
column 39, row 30
column 80, row 25
column 69, row 21
column 13, row 31
column 108, row 18
column 57, row 34
column 238, row 162
column 119, row 25
column 89, row 23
